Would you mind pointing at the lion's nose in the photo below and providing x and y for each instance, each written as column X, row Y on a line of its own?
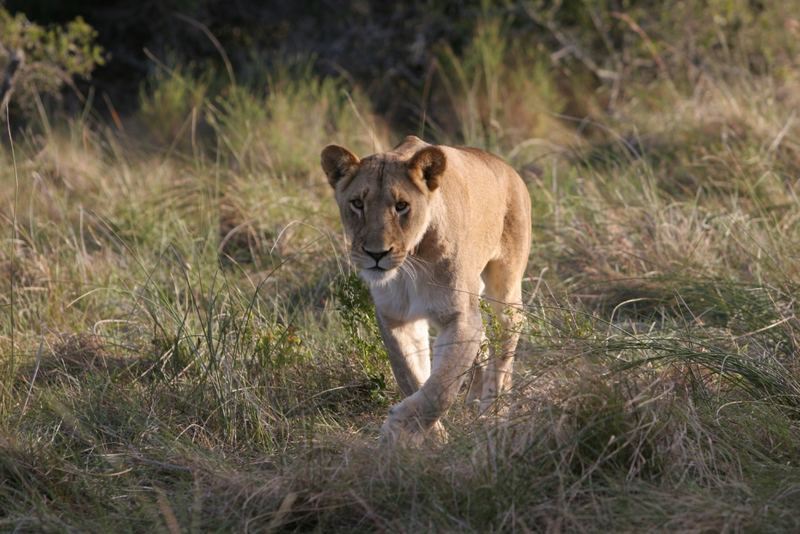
column 376, row 255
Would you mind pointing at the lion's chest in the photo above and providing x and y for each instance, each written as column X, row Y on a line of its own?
column 401, row 300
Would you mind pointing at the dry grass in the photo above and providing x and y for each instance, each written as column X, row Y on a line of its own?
column 183, row 347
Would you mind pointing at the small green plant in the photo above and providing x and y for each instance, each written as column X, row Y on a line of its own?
column 44, row 58
column 278, row 347
column 361, row 327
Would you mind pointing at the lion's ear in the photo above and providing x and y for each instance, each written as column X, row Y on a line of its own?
column 428, row 165
column 337, row 162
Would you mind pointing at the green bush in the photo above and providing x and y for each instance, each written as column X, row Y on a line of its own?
column 51, row 56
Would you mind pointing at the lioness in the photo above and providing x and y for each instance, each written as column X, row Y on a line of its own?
column 431, row 228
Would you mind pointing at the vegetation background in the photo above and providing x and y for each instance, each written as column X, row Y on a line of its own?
column 184, row 347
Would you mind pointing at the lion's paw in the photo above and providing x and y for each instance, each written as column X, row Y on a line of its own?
column 402, row 427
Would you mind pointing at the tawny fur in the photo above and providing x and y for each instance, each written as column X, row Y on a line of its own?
column 443, row 224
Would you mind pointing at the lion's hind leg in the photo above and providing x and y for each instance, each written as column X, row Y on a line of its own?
column 504, row 294
column 475, row 386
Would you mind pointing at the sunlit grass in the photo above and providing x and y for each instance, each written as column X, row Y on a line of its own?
column 190, row 347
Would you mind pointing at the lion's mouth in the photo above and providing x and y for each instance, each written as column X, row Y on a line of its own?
column 377, row 274
column 381, row 267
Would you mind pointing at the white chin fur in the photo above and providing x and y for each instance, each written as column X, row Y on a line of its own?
column 378, row 278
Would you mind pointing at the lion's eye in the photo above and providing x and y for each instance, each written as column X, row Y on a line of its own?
column 357, row 204
column 401, row 207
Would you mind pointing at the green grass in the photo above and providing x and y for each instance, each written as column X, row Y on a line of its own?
column 185, row 348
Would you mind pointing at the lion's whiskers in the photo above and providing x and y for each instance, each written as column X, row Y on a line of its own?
column 408, row 269
column 418, row 265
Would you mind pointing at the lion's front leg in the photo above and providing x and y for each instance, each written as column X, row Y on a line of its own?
column 454, row 353
column 409, row 352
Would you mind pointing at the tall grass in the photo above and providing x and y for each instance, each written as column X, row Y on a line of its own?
column 193, row 353
column 498, row 94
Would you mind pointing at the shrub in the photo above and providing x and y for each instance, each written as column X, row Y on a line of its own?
column 48, row 57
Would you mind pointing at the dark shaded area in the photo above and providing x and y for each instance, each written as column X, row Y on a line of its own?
column 384, row 46
column 390, row 49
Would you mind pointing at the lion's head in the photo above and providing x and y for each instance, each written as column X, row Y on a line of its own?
column 385, row 202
